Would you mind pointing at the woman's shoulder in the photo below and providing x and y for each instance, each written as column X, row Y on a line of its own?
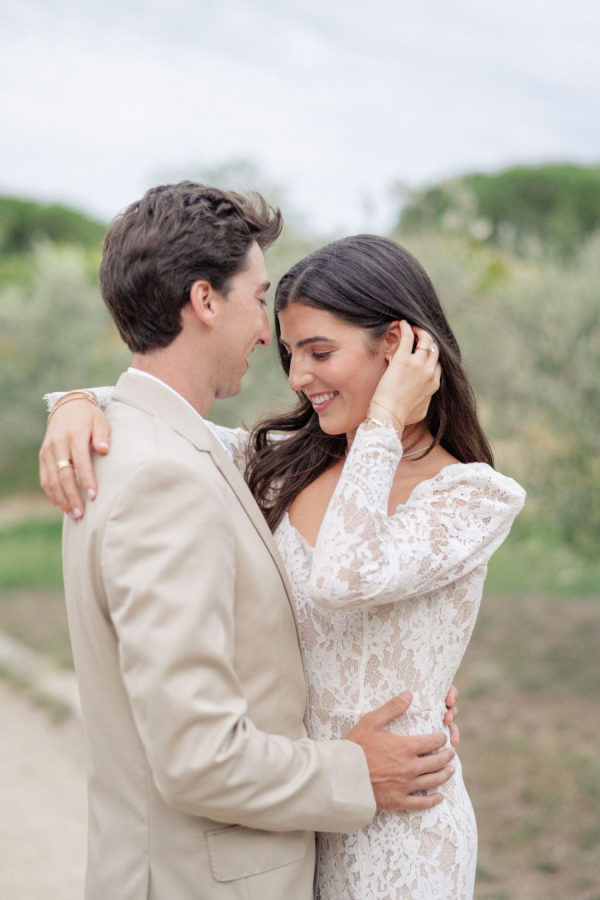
column 476, row 477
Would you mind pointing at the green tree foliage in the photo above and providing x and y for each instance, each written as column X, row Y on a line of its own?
column 54, row 332
column 24, row 223
column 523, row 209
column 530, row 337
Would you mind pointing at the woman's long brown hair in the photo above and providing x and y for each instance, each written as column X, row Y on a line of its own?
column 370, row 282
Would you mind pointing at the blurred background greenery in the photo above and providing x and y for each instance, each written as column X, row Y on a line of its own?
column 515, row 257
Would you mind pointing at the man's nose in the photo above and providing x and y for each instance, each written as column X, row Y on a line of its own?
column 264, row 335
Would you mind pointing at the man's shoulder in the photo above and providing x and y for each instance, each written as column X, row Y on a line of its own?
column 143, row 446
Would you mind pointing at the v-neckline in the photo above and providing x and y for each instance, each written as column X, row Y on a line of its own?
column 293, row 528
column 439, row 476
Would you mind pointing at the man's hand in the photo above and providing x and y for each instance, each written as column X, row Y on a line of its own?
column 401, row 765
column 74, row 430
column 451, row 701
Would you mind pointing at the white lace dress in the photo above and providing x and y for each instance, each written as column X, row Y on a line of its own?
column 387, row 603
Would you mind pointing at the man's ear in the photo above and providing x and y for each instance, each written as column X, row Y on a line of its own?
column 391, row 340
column 203, row 302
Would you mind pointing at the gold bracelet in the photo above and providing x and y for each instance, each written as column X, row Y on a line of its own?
column 76, row 395
column 72, row 395
column 397, row 424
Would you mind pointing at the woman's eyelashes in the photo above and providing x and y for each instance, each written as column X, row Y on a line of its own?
column 319, row 355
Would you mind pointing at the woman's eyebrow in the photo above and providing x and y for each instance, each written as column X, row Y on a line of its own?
column 310, row 340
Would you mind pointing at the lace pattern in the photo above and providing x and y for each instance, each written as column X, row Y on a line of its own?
column 387, row 603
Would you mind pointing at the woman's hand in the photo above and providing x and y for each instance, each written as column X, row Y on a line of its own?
column 411, row 378
column 74, row 428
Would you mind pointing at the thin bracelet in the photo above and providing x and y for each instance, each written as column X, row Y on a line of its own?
column 385, row 423
column 398, row 425
column 72, row 395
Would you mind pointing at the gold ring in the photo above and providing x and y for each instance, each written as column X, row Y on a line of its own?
column 64, row 464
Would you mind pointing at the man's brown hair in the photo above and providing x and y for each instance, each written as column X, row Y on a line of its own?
column 160, row 245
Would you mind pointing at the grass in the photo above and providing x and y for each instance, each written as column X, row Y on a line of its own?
column 534, row 559
column 30, row 555
column 32, row 606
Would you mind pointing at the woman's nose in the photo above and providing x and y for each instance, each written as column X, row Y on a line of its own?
column 299, row 376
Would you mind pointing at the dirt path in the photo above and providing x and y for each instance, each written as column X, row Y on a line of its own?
column 42, row 785
column 43, row 825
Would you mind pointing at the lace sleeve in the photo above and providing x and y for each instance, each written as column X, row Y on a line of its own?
column 102, row 394
column 450, row 525
column 236, row 442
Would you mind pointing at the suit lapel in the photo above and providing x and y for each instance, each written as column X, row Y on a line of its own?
column 160, row 401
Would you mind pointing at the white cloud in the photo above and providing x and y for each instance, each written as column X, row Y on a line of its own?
column 334, row 100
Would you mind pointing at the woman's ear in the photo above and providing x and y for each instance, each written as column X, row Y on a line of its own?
column 391, row 340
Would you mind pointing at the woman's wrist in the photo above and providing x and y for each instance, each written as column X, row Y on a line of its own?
column 383, row 415
column 73, row 395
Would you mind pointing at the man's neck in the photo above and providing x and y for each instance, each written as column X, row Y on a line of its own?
column 173, row 370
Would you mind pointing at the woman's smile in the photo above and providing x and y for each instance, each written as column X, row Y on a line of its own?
column 320, row 402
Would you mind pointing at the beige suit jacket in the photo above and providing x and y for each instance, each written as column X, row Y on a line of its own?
column 202, row 782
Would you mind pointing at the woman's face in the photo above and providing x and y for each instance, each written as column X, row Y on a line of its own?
column 335, row 364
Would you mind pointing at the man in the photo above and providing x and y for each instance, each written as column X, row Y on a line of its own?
column 202, row 781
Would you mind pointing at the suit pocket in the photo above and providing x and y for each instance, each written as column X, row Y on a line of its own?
column 237, row 852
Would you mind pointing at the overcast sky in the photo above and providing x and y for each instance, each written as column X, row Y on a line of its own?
column 334, row 100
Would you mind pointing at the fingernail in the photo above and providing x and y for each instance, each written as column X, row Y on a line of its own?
column 406, row 695
column 103, row 445
column 91, row 493
column 76, row 513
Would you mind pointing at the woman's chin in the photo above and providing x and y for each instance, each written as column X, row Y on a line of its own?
column 331, row 428
column 336, row 428
column 330, row 431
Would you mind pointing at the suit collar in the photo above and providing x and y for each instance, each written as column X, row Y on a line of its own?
column 163, row 402
column 160, row 401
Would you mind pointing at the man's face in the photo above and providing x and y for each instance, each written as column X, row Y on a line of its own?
column 244, row 322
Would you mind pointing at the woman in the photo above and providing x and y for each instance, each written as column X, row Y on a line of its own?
column 386, row 513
